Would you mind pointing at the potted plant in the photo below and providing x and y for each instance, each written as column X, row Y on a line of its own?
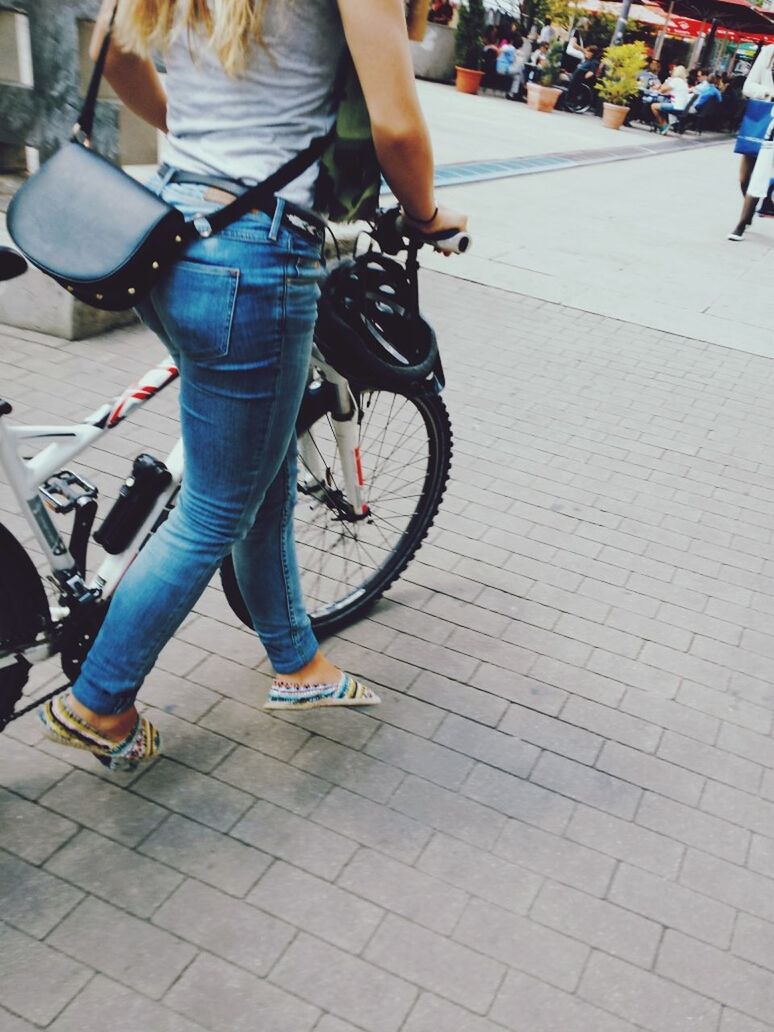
column 543, row 95
column 468, row 46
column 622, row 65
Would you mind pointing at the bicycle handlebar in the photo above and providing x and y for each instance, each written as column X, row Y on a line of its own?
column 391, row 231
column 450, row 241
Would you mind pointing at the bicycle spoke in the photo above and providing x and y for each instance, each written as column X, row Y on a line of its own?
column 341, row 556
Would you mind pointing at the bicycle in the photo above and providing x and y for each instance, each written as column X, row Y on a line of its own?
column 373, row 468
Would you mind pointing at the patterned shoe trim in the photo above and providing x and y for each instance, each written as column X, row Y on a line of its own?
column 348, row 692
column 62, row 725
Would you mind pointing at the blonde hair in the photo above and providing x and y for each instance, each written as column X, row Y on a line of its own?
column 230, row 27
column 679, row 72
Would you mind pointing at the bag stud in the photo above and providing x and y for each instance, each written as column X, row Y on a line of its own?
column 154, row 265
column 178, row 240
column 131, row 290
column 99, row 296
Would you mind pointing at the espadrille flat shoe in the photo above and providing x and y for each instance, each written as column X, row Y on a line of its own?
column 346, row 692
column 61, row 725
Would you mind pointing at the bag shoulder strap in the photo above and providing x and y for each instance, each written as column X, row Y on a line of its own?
column 85, row 123
column 254, row 196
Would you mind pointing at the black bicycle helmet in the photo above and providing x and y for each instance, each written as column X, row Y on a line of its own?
column 368, row 328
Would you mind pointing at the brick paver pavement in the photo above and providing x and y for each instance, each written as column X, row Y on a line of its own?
column 562, row 817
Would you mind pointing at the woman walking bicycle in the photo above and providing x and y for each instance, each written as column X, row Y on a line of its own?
column 250, row 83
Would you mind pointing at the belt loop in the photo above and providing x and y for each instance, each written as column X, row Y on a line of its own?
column 167, row 173
column 279, row 211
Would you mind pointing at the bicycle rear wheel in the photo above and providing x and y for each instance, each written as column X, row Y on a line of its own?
column 24, row 614
column 348, row 562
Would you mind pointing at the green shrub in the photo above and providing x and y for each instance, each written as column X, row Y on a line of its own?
column 622, row 65
column 469, row 37
column 552, row 66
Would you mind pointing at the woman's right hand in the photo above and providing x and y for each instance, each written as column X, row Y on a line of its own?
column 376, row 35
column 445, row 220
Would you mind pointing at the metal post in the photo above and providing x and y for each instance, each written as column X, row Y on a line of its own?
column 662, row 32
column 620, row 25
column 709, row 42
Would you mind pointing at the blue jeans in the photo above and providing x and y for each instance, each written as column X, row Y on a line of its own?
column 237, row 315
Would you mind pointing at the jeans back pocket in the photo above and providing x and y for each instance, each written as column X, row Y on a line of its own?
column 195, row 305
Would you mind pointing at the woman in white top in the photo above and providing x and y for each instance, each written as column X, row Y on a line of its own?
column 249, row 84
column 678, row 94
column 758, row 86
column 574, row 52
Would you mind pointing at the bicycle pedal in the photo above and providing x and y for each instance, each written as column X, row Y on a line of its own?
column 64, row 490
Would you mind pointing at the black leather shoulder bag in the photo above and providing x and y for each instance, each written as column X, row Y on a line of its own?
column 102, row 235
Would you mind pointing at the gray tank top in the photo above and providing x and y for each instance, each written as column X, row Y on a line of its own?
column 246, row 128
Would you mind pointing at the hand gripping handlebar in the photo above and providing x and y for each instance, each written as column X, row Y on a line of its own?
column 391, row 231
column 448, row 241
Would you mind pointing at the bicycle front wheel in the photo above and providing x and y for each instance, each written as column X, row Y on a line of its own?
column 348, row 561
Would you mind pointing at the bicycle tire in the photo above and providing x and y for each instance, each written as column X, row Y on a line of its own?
column 354, row 603
column 24, row 613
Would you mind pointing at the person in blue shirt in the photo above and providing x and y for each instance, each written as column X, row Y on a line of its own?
column 706, row 88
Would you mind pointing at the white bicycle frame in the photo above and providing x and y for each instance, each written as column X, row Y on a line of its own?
column 27, row 476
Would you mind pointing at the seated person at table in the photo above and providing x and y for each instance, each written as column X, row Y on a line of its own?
column 706, row 88
column 530, row 71
column 700, row 84
column 648, row 84
column 676, row 93
column 538, row 57
column 648, row 80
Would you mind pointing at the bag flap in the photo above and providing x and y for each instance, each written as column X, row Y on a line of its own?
column 81, row 218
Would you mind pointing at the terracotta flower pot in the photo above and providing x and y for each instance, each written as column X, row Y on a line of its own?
column 468, row 80
column 614, row 115
column 542, row 98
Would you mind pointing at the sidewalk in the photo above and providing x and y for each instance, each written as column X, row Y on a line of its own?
column 639, row 240
column 560, row 820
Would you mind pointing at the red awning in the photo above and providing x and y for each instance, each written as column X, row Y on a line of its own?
column 692, row 28
column 733, row 16
column 739, row 21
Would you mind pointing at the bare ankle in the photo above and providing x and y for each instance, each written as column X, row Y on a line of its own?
column 112, row 725
column 319, row 670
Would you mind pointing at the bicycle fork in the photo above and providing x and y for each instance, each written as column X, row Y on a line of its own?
column 345, row 420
